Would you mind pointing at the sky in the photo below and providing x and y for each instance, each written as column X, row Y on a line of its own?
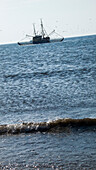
column 69, row 18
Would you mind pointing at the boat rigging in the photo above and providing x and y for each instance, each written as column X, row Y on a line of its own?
column 42, row 38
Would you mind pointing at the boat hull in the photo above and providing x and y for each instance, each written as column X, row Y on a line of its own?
column 31, row 42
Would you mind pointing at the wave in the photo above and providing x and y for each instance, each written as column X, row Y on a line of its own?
column 53, row 126
column 51, row 73
column 30, row 75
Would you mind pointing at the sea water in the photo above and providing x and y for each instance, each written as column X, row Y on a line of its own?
column 48, row 105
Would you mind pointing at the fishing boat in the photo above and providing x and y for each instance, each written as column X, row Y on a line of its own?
column 41, row 38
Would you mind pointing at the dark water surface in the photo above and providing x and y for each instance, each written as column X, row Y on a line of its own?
column 41, row 86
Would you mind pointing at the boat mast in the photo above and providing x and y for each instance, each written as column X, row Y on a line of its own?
column 34, row 29
column 42, row 29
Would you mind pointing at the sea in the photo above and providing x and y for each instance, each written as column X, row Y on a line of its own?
column 48, row 105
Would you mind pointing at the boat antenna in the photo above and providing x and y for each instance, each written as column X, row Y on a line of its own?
column 42, row 29
column 34, row 29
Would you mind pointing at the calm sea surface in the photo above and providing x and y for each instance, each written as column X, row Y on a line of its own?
column 42, row 85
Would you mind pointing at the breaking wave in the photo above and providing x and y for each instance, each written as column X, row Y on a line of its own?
column 54, row 126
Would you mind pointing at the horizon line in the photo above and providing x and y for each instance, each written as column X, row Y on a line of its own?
column 83, row 35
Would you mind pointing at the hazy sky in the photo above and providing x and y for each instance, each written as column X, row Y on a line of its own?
column 67, row 17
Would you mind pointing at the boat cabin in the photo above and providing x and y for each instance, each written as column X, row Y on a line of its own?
column 38, row 39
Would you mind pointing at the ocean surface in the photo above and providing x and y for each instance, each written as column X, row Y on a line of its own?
column 48, row 105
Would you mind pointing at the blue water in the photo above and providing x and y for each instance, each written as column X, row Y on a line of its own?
column 46, row 82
